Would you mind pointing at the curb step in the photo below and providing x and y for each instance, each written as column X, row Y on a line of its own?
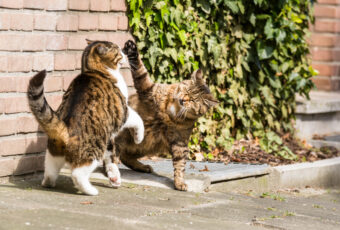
column 323, row 173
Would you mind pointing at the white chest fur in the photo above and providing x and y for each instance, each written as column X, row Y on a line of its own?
column 120, row 82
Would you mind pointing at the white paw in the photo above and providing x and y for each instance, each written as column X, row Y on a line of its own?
column 113, row 174
column 91, row 191
column 47, row 182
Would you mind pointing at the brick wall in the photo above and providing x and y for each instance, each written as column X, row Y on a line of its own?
column 325, row 44
column 45, row 34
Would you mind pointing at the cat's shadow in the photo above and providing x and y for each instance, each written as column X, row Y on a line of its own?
column 32, row 166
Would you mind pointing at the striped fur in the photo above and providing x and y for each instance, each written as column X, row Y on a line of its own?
column 169, row 112
column 93, row 109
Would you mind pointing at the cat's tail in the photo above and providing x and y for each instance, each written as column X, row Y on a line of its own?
column 47, row 118
column 140, row 75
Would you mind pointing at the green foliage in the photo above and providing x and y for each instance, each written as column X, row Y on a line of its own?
column 253, row 53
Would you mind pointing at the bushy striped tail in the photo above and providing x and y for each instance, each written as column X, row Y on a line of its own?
column 141, row 77
column 47, row 118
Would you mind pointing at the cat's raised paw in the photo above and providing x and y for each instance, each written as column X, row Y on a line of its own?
column 130, row 48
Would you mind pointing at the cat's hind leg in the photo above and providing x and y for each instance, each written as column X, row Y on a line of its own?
column 81, row 175
column 111, row 166
column 53, row 164
column 134, row 164
column 135, row 121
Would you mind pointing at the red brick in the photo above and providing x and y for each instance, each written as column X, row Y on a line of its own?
column 19, row 63
column 327, row 69
column 15, row 4
column 11, row 42
column 56, row 5
column 326, row 83
column 27, row 124
column 45, row 22
column 56, row 42
column 99, row 5
column 326, row 40
column 21, row 83
column 53, row 84
column 108, row 22
column 123, row 22
column 118, row 5
column 3, row 63
column 21, row 165
column 77, row 42
column 336, row 55
column 64, row 61
column 7, row 84
column 34, row 42
column 10, row 125
column 98, row 36
column 119, row 38
column 88, row 22
column 30, row 143
column 68, row 79
column 79, row 5
column 67, row 23
column 78, row 60
column 327, row 25
column 321, row 54
column 30, row 164
column 43, row 61
column 5, row 21
column 22, row 21
column 54, row 100
column 334, row 2
column 35, row 4
column 14, row 104
column 325, row 11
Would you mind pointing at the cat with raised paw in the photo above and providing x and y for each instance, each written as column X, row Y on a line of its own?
column 169, row 113
column 94, row 108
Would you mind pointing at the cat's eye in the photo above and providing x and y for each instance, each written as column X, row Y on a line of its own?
column 181, row 101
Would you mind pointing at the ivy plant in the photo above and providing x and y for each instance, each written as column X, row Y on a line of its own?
column 253, row 54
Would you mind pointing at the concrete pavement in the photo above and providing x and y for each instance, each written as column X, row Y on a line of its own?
column 24, row 204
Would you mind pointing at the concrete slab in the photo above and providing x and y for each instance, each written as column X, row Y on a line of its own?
column 214, row 171
column 320, row 115
column 322, row 143
column 323, row 173
column 320, row 102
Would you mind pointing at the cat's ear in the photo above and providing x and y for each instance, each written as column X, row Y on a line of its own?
column 89, row 41
column 197, row 77
column 101, row 49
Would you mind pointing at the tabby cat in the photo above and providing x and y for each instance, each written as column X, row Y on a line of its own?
column 93, row 109
column 169, row 112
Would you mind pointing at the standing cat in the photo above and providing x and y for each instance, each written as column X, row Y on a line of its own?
column 169, row 113
column 93, row 109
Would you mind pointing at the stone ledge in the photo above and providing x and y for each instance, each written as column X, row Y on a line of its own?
column 320, row 102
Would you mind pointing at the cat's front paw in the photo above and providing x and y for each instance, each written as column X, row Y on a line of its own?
column 113, row 174
column 48, row 183
column 181, row 186
column 130, row 49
